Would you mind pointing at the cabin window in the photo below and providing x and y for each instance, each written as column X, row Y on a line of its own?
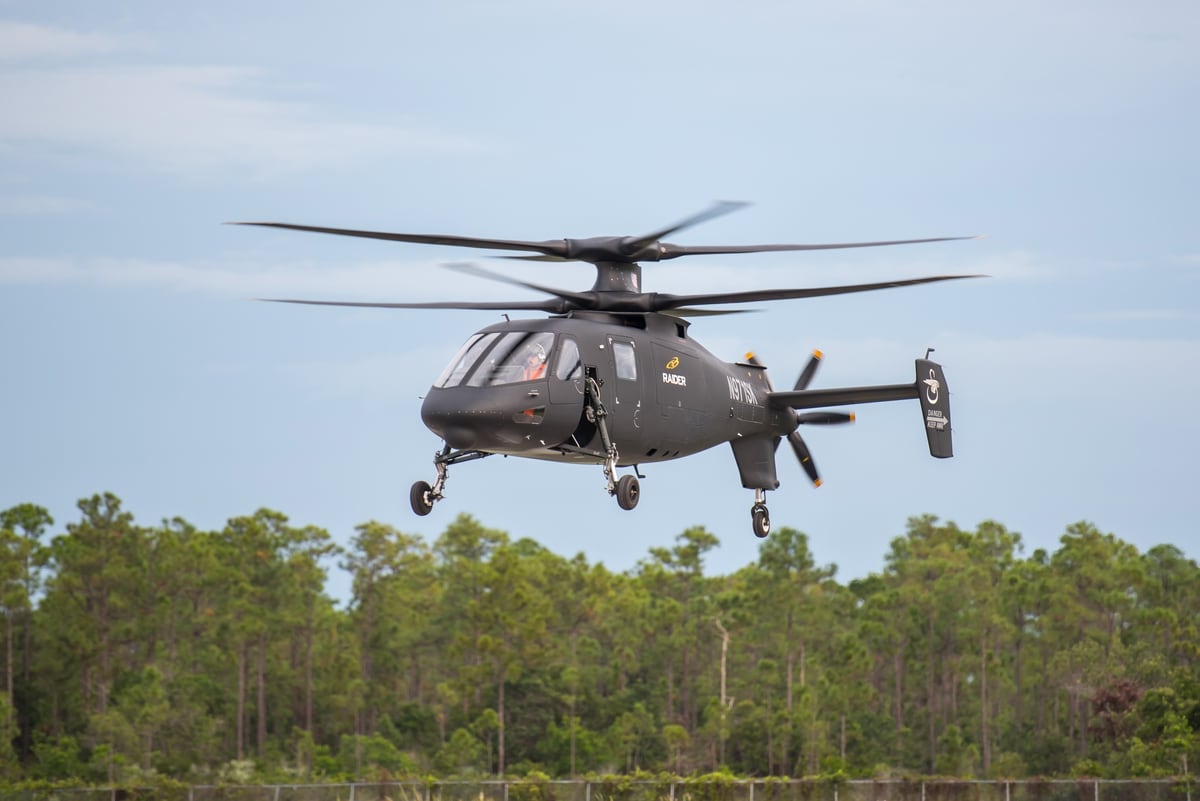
column 626, row 360
column 567, row 367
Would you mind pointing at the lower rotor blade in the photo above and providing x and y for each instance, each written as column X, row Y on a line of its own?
column 663, row 301
column 581, row 299
column 805, row 457
column 708, row 312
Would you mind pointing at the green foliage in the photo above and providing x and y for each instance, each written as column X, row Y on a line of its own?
column 462, row 756
column 373, row 758
column 136, row 653
column 58, row 759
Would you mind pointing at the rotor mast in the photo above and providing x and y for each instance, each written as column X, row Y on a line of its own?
column 613, row 276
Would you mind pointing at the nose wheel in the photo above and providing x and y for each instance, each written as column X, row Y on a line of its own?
column 422, row 495
column 421, row 498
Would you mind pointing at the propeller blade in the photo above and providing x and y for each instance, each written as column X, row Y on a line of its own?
column 669, row 251
column 805, row 458
column 810, row 369
column 662, row 301
column 825, row 418
column 552, row 247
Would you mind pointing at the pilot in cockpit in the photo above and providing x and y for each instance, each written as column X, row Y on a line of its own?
column 535, row 362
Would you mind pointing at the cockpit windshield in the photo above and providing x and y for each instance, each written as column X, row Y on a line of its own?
column 488, row 360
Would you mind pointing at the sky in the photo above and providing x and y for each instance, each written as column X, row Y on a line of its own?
column 133, row 359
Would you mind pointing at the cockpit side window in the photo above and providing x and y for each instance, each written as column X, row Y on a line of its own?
column 567, row 367
column 467, row 355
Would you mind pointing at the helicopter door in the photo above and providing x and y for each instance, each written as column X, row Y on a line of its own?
column 623, row 397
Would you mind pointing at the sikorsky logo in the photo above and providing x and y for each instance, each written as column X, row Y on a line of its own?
column 932, row 388
column 671, row 365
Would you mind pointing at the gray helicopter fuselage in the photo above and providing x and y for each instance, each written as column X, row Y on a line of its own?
column 663, row 394
column 613, row 378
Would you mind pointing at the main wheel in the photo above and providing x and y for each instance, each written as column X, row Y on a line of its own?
column 418, row 496
column 628, row 492
column 761, row 520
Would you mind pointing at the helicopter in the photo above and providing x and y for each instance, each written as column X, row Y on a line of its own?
column 613, row 377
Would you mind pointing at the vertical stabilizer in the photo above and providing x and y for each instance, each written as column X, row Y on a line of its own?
column 934, row 396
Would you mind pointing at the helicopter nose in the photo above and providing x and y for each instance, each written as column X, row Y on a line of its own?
column 457, row 420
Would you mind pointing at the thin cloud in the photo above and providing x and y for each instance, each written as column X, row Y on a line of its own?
column 193, row 120
column 39, row 205
column 23, row 42
column 381, row 281
column 1138, row 316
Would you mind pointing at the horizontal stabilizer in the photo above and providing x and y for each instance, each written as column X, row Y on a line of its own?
column 840, row 396
column 929, row 389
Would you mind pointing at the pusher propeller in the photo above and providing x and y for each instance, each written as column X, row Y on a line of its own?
column 803, row 454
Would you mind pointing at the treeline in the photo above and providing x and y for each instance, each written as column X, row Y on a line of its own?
column 133, row 651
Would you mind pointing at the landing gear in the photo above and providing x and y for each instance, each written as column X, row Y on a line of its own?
column 628, row 492
column 760, row 517
column 627, row 488
column 761, row 520
column 420, row 498
column 421, row 495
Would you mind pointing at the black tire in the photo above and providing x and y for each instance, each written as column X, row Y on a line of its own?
column 418, row 496
column 628, row 492
column 761, row 521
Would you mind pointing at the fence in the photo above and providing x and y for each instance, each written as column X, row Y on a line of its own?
column 620, row 790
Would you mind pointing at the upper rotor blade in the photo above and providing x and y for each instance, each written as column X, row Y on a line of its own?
column 669, row 251
column 552, row 247
column 554, row 306
column 663, row 301
column 718, row 209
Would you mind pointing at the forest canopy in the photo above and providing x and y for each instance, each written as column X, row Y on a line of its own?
column 137, row 651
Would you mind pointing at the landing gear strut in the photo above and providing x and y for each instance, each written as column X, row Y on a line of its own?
column 421, row 495
column 760, row 517
column 627, row 489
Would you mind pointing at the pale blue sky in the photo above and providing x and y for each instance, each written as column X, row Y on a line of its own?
column 1066, row 132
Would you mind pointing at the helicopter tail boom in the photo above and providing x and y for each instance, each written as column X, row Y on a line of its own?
column 929, row 389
